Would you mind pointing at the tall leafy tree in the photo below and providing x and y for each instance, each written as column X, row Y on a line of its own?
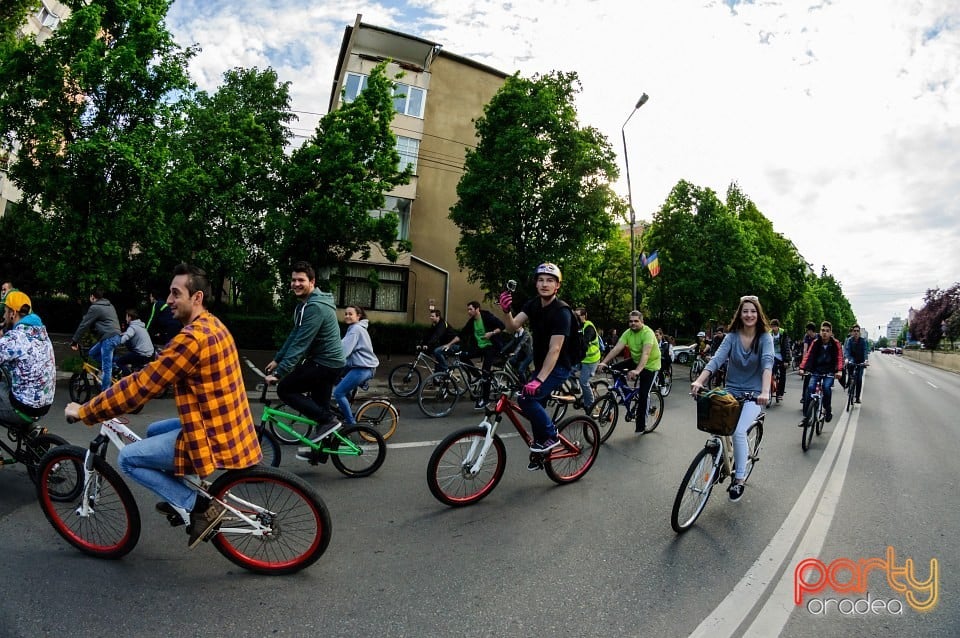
column 226, row 157
column 337, row 178
column 87, row 107
column 536, row 187
column 939, row 316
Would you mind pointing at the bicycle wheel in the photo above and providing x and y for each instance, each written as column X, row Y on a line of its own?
column 810, row 419
column 820, row 418
column 453, row 475
column 281, row 435
column 694, row 489
column 59, row 483
column 112, row 527
column 81, row 387
column 605, row 412
column 754, row 436
column 557, row 409
column 270, row 447
column 579, row 445
column 695, row 369
column 360, row 450
column 667, row 384
column 291, row 528
column 379, row 415
column 404, row 380
column 851, row 392
column 438, row 394
column 654, row 410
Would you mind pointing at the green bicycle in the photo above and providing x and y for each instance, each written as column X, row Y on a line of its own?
column 355, row 450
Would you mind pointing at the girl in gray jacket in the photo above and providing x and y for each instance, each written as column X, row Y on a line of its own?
column 361, row 361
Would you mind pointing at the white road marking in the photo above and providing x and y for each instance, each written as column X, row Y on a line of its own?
column 772, row 563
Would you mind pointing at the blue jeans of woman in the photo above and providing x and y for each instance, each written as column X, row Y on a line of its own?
column 353, row 379
column 150, row 463
column 534, row 408
column 103, row 350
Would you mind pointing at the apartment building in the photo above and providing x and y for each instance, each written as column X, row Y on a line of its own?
column 40, row 25
column 441, row 94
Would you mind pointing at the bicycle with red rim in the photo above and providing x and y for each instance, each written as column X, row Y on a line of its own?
column 469, row 463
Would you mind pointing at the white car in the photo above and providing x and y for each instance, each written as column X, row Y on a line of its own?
column 684, row 354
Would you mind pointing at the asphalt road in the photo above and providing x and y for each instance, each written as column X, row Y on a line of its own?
column 594, row 558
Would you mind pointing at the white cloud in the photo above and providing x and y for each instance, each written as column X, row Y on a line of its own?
column 841, row 120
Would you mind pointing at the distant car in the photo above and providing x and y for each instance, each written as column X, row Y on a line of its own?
column 887, row 350
column 684, row 354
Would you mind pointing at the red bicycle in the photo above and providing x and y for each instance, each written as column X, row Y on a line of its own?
column 469, row 463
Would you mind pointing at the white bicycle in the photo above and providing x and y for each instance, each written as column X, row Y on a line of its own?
column 275, row 523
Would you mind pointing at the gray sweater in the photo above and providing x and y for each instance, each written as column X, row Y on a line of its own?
column 101, row 319
column 357, row 347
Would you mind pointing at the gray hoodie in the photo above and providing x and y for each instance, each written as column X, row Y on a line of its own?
column 101, row 319
column 357, row 347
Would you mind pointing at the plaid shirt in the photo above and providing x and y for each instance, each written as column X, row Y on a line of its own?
column 203, row 364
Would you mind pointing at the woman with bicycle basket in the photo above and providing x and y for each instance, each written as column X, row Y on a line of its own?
column 747, row 350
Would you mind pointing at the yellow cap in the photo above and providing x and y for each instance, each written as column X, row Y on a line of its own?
column 15, row 300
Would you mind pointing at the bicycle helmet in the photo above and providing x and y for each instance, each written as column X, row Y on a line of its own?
column 701, row 334
column 549, row 269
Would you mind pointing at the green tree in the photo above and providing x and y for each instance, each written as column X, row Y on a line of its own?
column 87, row 108
column 337, row 178
column 226, row 157
column 13, row 15
column 536, row 188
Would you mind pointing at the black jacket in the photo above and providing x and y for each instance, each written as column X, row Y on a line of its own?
column 468, row 341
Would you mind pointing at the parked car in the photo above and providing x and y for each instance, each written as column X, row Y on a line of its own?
column 887, row 350
column 684, row 354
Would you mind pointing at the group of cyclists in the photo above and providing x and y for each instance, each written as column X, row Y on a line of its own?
column 214, row 428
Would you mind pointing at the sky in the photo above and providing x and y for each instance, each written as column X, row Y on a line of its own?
column 839, row 119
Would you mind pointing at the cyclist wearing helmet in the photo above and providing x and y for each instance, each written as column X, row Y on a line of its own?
column 550, row 323
column 703, row 348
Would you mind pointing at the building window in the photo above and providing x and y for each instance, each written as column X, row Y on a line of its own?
column 409, row 149
column 407, row 100
column 400, row 206
column 48, row 18
column 353, row 86
column 390, row 294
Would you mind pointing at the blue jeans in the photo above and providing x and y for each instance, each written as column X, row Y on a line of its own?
column 586, row 371
column 534, row 407
column 354, row 378
column 150, row 463
column 103, row 350
column 827, row 392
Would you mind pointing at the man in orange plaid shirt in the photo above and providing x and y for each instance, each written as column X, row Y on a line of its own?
column 214, row 429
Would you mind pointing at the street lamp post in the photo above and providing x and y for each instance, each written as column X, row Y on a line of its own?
column 633, row 218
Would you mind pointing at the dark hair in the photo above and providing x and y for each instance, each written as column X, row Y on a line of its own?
column 133, row 314
column 582, row 311
column 97, row 293
column 811, row 326
column 474, row 304
column 196, row 280
column 360, row 313
column 435, row 311
column 306, row 268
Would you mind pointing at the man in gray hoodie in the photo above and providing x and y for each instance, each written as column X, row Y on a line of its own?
column 311, row 358
column 102, row 320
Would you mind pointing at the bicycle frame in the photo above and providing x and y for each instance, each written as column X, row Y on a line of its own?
column 505, row 406
column 117, row 432
column 625, row 393
column 281, row 419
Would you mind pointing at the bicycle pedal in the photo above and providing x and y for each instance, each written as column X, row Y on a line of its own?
column 174, row 520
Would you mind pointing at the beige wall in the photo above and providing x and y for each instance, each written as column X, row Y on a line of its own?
column 458, row 94
column 937, row 359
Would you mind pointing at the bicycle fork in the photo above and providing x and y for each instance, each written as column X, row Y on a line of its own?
column 473, row 462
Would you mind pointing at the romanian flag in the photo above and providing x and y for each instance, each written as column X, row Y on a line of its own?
column 653, row 264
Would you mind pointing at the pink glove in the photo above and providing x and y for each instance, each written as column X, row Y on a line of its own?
column 531, row 388
column 506, row 300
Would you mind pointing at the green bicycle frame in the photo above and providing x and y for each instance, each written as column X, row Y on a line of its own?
column 282, row 419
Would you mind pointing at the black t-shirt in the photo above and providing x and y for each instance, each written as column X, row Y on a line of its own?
column 546, row 321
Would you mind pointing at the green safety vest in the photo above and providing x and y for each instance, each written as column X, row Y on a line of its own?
column 593, row 348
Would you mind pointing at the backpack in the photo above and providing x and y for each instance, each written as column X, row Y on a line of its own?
column 575, row 343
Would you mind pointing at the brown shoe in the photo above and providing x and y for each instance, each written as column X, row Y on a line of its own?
column 202, row 523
